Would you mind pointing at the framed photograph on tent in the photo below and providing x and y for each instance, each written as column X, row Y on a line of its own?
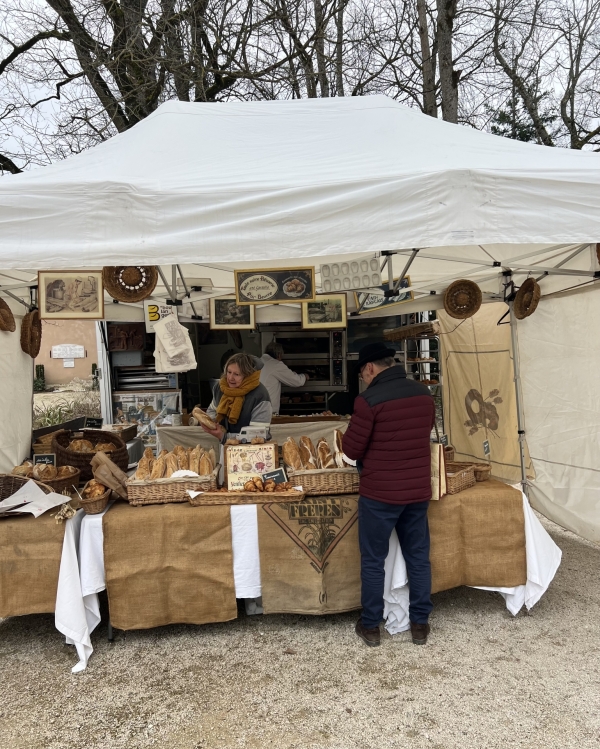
column 71, row 294
column 369, row 301
column 227, row 314
column 326, row 312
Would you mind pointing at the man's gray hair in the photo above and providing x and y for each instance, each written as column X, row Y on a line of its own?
column 274, row 349
column 389, row 361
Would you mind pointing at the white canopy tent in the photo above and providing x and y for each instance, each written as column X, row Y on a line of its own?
column 212, row 187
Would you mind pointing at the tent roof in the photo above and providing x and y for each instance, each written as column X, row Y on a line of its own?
column 268, row 180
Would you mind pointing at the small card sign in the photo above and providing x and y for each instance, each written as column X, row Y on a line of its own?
column 444, row 440
column 486, row 447
column 48, row 459
column 278, row 476
column 92, row 422
column 270, row 285
column 245, row 462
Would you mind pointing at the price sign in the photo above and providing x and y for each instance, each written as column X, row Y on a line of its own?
column 444, row 440
column 278, row 476
column 48, row 459
column 93, row 423
column 486, row 447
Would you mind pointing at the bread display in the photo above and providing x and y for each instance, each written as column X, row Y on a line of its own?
column 256, row 484
column 81, row 446
column 93, row 490
column 43, row 471
column 291, row 454
column 197, row 460
column 308, row 455
column 203, row 418
column 325, row 457
column 105, row 447
column 64, row 472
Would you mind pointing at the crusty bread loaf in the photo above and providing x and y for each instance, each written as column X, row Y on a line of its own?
column 65, row 471
column 339, row 450
column 194, row 457
column 308, row 455
column 203, row 418
column 172, row 465
column 43, row 472
column 183, row 460
column 324, row 455
column 212, row 457
column 291, row 454
column 143, row 470
column 105, row 447
column 159, row 467
column 93, row 489
column 26, row 470
column 205, row 468
column 81, row 446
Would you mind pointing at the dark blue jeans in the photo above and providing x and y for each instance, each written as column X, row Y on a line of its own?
column 376, row 520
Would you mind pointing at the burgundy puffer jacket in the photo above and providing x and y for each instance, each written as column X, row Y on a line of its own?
column 390, row 434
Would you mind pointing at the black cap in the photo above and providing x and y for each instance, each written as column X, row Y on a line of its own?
column 373, row 352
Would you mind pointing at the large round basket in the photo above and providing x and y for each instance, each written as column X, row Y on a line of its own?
column 10, row 485
column 527, row 299
column 462, row 299
column 31, row 333
column 81, row 460
column 67, row 483
column 7, row 319
column 129, row 283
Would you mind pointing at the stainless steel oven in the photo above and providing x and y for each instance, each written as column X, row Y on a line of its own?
column 321, row 354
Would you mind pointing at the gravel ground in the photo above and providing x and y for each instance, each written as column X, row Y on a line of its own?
column 484, row 680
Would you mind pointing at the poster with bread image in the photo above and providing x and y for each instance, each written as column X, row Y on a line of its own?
column 245, row 462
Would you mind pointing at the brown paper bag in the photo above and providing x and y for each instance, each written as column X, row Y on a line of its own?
column 107, row 473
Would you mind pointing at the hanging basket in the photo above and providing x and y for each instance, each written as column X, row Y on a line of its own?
column 31, row 333
column 598, row 252
column 129, row 283
column 7, row 319
column 462, row 299
column 526, row 299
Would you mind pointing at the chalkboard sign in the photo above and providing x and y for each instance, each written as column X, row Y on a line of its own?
column 444, row 440
column 278, row 476
column 93, row 423
column 48, row 459
column 486, row 447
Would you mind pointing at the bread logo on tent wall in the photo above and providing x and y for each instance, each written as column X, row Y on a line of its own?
column 316, row 525
column 482, row 412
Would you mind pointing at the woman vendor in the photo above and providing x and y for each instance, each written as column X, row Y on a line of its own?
column 239, row 398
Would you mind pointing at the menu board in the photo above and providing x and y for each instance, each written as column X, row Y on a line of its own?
column 270, row 285
column 245, row 462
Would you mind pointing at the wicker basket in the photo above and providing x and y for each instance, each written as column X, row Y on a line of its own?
column 327, row 481
column 96, row 505
column 165, row 491
column 449, row 453
column 68, row 482
column 418, row 330
column 482, row 471
column 246, row 498
column 7, row 319
column 130, row 283
column 65, row 457
column 527, row 299
column 128, row 433
column 10, row 485
column 31, row 333
column 459, row 476
column 462, row 299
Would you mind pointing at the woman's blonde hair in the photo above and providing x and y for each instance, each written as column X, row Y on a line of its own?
column 245, row 362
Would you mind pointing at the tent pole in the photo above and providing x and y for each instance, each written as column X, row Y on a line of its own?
column 518, row 394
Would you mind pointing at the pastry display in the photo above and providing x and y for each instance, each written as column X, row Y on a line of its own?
column 93, row 490
column 256, row 484
column 203, row 418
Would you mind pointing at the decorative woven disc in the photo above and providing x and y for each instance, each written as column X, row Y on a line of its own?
column 462, row 299
column 598, row 251
column 7, row 319
column 526, row 299
column 129, row 283
column 31, row 333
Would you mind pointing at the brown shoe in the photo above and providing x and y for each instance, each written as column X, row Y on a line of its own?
column 371, row 637
column 419, row 633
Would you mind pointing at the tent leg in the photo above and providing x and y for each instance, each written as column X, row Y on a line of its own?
column 518, row 394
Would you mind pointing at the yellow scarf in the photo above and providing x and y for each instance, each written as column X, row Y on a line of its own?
column 232, row 399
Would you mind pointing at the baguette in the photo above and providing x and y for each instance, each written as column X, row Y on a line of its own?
column 172, row 465
column 158, row 469
column 195, row 456
column 205, row 466
column 325, row 458
column 307, row 454
column 291, row 454
column 212, row 457
column 183, row 460
column 339, row 450
column 143, row 469
column 203, row 418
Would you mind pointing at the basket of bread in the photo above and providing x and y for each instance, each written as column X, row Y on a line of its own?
column 321, row 469
column 256, row 491
column 61, row 479
column 11, row 483
column 167, row 477
column 78, row 448
column 94, row 497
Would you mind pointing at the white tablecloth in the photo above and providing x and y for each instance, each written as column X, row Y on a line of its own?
column 81, row 575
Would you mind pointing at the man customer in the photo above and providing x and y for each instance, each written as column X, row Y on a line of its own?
column 275, row 373
column 389, row 435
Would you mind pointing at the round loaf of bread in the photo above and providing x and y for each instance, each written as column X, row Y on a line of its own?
column 81, row 446
column 203, row 418
column 43, row 472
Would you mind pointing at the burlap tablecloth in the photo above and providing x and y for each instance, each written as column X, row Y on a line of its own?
column 310, row 561
column 168, row 564
column 30, row 552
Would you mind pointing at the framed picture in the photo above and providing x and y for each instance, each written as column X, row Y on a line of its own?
column 275, row 285
column 378, row 301
column 227, row 314
column 326, row 312
column 71, row 294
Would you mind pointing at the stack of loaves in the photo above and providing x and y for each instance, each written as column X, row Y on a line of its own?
column 43, row 471
column 302, row 456
column 198, row 460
